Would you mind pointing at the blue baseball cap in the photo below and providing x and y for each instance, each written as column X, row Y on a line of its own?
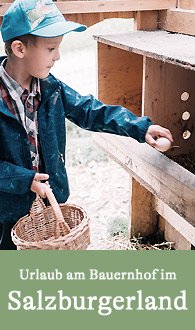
column 37, row 17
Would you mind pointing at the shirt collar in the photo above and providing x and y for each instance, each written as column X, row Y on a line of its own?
column 16, row 89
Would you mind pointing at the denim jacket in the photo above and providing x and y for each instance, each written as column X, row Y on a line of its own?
column 59, row 102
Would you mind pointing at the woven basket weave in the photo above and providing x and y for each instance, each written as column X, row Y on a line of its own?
column 55, row 227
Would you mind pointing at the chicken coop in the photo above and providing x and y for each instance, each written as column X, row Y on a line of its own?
column 150, row 71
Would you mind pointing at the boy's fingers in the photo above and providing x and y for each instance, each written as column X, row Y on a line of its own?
column 41, row 176
column 39, row 188
column 150, row 140
column 155, row 131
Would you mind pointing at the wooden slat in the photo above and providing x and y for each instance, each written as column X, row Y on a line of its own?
column 146, row 20
column 3, row 8
column 93, row 18
column 176, row 49
column 114, row 86
column 172, row 235
column 186, row 4
column 164, row 178
column 143, row 220
column 176, row 221
column 89, row 19
column 113, row 5
column 178, row 20
column 164, row 85
column 96, row 6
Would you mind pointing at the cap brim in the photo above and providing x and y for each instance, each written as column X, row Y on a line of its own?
column 58, row 29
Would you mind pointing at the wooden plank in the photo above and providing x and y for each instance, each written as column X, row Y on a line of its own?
column 186, row 4
column 3, row 8
column 143, row 218
column 114, row 69
column 178, row 20
column 89, row 19
column 176, row 221
column 146, row 20
column 176, row 49
column 113, row 5
column 163, row 88
column 164, row 178
column 172, row 235
column 97, row 6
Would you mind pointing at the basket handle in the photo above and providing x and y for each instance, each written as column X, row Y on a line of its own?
column 60, row 221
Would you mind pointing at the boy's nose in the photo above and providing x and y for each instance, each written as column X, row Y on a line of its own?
column 57, row 56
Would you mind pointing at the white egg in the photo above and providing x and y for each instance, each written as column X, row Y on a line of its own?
column 162, row 144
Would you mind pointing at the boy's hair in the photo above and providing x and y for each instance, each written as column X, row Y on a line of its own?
column 25, row 39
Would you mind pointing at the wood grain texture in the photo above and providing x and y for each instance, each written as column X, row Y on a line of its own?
column 164, row 86
column 176, row 49
column 178, row 20
column 120, row 77
column 165, row 179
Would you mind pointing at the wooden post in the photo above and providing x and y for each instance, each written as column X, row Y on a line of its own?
column 186, row 4
column 143, row 217
column 172, row 235
column 146, row 20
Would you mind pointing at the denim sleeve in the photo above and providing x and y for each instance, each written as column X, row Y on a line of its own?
column 91, row 114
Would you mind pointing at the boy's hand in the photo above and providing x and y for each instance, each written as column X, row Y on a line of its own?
column 39, row 187
column 156, row 131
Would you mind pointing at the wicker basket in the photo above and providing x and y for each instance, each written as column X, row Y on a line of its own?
column 55, row 227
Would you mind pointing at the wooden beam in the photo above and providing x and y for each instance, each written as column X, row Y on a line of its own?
column 143, row 218
column 178, row 20
column 172, row 235
column 176, row 221
column 89, row 19
column 164, row 178
column 146, row 20
column 98, row 6
column 114, row 86
column 177, row 49
column 3, row 8
column 186, row 4
column 113, row 5
column 164, row 85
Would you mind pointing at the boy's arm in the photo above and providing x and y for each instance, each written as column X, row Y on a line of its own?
column 91, row 114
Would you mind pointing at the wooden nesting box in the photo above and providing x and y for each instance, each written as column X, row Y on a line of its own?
column 153, row 73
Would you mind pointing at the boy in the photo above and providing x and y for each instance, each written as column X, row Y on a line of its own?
column 33, row 108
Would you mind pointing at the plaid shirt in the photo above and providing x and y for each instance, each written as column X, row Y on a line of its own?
column 18, row 101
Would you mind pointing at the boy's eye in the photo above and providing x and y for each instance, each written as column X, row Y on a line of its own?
column 51, row 49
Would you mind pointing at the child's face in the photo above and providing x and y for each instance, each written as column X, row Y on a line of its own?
column 40, row 57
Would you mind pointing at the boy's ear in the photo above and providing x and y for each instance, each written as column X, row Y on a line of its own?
column 18, row 48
